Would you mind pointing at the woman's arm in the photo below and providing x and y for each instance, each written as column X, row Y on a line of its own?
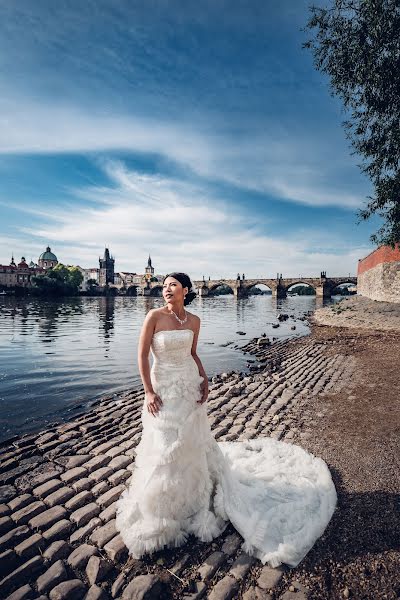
column 153, row 401
column 204, row 385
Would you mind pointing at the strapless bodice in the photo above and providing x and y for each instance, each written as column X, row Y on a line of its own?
column 172, row 348
column 175, row 376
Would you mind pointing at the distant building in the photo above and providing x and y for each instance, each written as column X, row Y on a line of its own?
column 8, row 274
column 149, row 270
column 106, row 270
column 13, row 275
column 128, row 279
column 47, row 260
column 88, row 274
column 378, row 275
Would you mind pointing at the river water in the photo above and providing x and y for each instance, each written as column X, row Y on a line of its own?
column 58, row 356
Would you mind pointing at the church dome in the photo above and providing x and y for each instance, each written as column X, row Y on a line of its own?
column 48, row 255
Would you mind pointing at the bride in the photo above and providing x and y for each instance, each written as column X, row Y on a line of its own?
column 279, row 497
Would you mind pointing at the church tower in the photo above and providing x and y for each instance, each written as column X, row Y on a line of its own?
column 149, row 270
column 106, row 271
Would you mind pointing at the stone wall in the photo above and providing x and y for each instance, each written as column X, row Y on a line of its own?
column 378, row 275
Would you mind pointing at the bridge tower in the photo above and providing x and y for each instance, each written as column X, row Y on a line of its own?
column 106, row 271
column 323, row 290
column 280, row 291
column 149, row 270
column 148, row 274
column 202, row 289
column 239, row 287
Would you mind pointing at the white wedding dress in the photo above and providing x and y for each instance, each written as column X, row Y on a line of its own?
column 279, row 497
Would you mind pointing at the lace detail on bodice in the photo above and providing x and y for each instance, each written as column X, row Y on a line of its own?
column 175, row 374
column 172, row 348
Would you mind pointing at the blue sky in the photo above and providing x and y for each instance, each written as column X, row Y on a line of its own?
column 197, row 131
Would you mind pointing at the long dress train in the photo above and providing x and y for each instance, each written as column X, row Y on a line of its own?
column 279, row 497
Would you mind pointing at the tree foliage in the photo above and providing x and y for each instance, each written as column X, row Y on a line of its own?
column 222, row 290
column 256, row 291
column 303, row 290
column 58, row 281
column 357, row 44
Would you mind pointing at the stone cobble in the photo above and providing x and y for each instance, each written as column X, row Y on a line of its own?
column 52, row 577
column 97, row 569
column 58, row 537
column 73, row 589
column 58, row 531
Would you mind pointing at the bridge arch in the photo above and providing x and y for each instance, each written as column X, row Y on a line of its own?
column 289, row 288
column 220, row 284
column 156, row 291
column 258, row 285
column 133, row 290
column 334, row 287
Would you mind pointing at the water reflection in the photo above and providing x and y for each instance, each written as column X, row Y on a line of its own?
column 149, row 303
column 56, row 355
column 106, row 317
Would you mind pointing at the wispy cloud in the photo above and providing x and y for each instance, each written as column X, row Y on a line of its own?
column 274, row 163
column 183, row 228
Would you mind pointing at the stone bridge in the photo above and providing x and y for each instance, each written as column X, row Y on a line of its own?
column 240, row 286
column 279, row 286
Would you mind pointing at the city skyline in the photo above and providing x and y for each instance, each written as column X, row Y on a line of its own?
column 15, row 260
column 202, row 134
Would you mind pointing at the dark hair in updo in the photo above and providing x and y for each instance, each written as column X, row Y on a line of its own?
column 185, row 281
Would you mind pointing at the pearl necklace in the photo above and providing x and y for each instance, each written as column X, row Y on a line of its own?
column 181, row 321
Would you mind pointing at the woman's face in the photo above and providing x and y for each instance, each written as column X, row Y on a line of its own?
column 173, row 291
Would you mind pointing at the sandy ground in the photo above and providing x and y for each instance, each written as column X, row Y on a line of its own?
column 360, row 312
column 357, row 431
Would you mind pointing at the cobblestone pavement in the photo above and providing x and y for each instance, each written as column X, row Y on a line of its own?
column 58, row 490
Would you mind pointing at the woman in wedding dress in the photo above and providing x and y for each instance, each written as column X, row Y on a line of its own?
column 279, row 497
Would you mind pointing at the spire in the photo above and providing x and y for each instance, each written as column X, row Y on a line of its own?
column 12, row 263
column 149, row 261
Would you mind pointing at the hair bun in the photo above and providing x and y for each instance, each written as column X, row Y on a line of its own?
column 190, row 296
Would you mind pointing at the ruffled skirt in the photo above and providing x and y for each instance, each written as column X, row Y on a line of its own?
column 279, row 497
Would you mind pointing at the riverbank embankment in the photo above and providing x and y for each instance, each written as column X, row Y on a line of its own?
column 362, row 313
column 333, row 392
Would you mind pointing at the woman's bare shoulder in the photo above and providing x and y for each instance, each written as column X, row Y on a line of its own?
column 194, row 318
column 154, row 314
column 158, row 311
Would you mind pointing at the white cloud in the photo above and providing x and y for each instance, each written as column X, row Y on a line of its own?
column 182, row 228
column 304, row 170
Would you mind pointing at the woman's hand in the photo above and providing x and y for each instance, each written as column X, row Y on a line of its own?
column 153, row 402
column 204, row 390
